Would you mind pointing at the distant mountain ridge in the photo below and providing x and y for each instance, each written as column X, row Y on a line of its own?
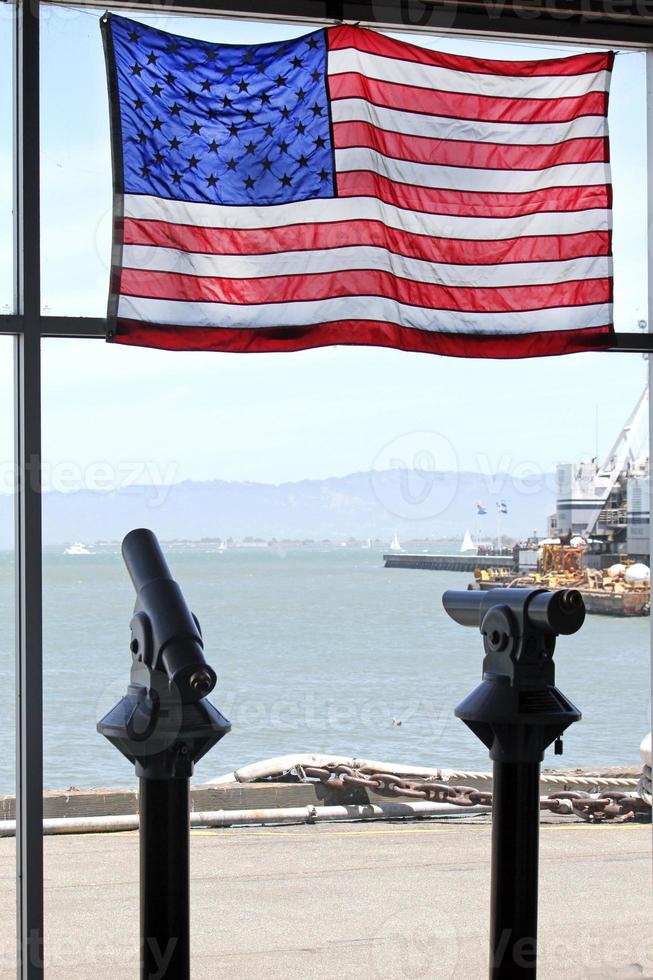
column 376, row 503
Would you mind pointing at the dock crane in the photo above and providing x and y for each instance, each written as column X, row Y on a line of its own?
column 615, row 461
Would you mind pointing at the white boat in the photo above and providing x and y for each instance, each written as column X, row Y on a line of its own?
column 394, row 544
column 222, row 546
column 78, row 549
column 468, row 544
column 367, row 544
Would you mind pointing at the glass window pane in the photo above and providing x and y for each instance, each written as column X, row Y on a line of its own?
column 294, row 462
column 143, row 416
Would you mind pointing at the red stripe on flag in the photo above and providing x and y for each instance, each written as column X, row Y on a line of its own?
column 372, row 42
column 471, row 204
column 152, row 284
column 367, row 333
column 456, row 153
column 454, row 105
column 345, row 234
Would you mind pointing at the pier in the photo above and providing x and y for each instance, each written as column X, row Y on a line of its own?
column 449, row 563
column 401, row 900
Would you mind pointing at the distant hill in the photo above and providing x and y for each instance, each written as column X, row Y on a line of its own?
column 411, row 503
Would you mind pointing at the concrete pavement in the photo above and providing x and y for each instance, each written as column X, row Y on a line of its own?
column 403, row 900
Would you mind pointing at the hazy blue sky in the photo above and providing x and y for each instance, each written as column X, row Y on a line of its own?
column 288, row 416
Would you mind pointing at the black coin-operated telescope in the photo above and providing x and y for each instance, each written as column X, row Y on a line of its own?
column 163, row 725
column 516, row 711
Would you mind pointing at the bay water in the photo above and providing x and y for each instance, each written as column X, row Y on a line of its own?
column 316, row 651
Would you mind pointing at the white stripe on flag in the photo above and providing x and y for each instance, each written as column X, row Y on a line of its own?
column 148, row 207
column 346, row 60
column 579, row 175
column 375, row 308
column 347, row 259
column 468, row 130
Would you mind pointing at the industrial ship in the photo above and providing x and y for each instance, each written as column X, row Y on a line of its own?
column 622, row 589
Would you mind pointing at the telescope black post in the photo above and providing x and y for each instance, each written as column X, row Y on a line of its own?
column 163, row 725
column 516, row 711
column 164, row 812
column 514, row 876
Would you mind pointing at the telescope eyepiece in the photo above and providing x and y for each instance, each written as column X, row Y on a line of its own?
column 571, row 600
column 561, row 612
column 201, row 682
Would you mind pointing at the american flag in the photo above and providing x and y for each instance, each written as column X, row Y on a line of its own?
column 344, row 187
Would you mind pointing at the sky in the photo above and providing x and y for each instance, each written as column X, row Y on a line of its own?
column 114, row 415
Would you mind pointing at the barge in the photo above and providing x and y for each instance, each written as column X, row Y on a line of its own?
column 621, row 590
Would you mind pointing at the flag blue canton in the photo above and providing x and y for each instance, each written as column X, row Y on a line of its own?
column 222, row 124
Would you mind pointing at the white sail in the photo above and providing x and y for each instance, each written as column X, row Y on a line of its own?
column 468, row 544
column 394, row 544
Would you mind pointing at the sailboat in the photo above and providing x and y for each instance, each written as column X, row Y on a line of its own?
column 468, row 544
column 394, row 544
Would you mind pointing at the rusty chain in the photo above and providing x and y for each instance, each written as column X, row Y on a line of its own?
column 594, row 808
